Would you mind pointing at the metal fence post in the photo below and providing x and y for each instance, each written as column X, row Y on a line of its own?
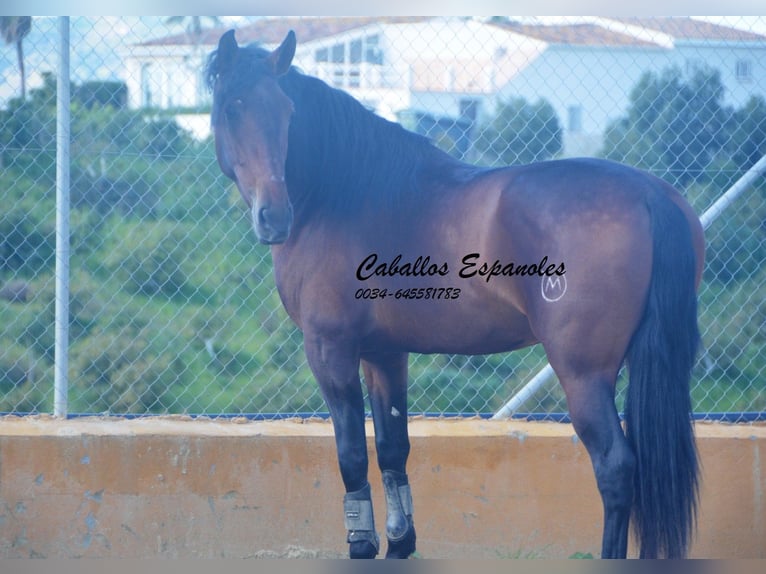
column 61, row 359
column 525, row 393
column 733, row 193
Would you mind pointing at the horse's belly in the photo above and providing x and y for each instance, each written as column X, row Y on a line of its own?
column 450, row 327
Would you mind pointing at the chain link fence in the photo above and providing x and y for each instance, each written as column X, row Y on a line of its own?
column 173, row 307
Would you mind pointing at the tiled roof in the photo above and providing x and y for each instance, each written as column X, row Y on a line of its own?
column 616, row 33
column 273, row 30
column 574, row 34
column 691, row 29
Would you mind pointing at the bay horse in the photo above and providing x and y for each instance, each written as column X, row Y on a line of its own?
column 382, row 245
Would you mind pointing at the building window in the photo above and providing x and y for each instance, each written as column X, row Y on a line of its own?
column 354, row 78
column 338, row 54
column 574, row 119
column 744, row 70
column 373, row 54
column 355, row 52
column 343, row 64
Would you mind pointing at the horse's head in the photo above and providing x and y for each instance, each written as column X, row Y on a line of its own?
column 250, row 120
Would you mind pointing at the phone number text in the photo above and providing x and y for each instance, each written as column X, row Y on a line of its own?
column 443, row 293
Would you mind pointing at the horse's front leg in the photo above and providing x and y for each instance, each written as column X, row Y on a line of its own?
column 335, row 364
column 385, row 375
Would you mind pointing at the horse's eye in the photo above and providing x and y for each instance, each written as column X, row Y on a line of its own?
column 234, row 108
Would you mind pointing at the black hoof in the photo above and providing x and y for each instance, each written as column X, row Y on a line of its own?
column 362, row 549
column 404, row 547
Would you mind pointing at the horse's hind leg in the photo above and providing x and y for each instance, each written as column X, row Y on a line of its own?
column 595, row 419
column 386, row 379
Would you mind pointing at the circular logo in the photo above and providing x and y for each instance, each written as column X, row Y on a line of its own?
column 553, row 287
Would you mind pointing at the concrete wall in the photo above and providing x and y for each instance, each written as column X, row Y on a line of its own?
column 482, row 489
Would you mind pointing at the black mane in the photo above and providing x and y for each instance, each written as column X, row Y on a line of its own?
column 342, row 156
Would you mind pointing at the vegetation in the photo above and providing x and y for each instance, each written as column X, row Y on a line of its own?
column 674, row 126
column 520, row 132
column 172, row 302
column 173, row 307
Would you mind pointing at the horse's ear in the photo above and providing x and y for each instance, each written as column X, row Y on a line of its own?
column 227, row 51
column 282, row 57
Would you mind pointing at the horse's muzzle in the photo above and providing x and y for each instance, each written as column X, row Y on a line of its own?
column 271, row 223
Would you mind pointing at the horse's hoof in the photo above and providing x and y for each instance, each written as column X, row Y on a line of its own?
column 404, row 547
column 362, row 549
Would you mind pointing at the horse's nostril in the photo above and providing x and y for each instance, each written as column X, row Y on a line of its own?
column 262, row 216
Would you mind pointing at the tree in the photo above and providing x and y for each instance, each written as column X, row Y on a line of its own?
column 101, row 93
column 520, row 132
column 748, row 138
column 28, row 132
column 674, row 126
column 14, row 29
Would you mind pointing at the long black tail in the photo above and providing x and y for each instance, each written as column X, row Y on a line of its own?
column 658, row 406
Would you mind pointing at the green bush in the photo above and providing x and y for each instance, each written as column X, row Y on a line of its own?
column 28, row 134
column 131, row 370
column 17, row 367
column 748, row 138
column 27, row 241
column 151, row 258
column 27, row 224
column 24, row 379
column 101, row 93
column 735, row 242
column 675, row 126
column 34, row 326
column 520, row 132
column 733, row 318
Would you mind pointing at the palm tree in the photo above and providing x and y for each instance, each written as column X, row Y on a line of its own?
column 14, row 29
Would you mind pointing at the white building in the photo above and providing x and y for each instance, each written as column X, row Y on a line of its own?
column 588, row 70
column 462, row 67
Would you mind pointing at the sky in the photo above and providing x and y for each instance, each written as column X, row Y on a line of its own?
column 96, row 41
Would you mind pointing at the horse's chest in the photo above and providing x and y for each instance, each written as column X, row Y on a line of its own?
column 317, row 290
